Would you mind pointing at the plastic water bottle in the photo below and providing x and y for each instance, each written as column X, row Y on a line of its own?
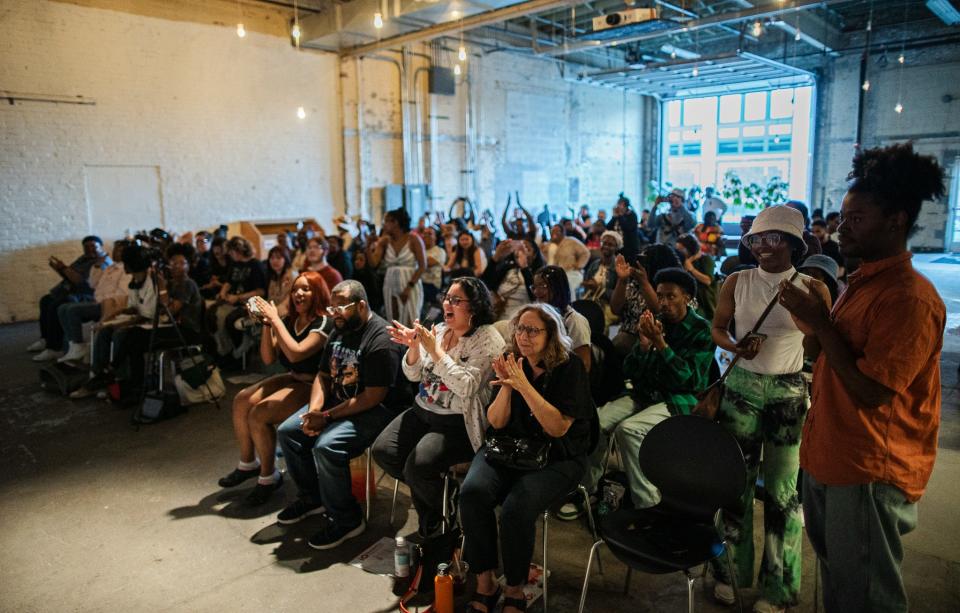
column 443, row 590
column 401, row 558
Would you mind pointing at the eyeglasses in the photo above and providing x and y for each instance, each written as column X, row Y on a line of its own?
column 454, row 301
column 340, row 310
column 772, row 240
column 528, row 331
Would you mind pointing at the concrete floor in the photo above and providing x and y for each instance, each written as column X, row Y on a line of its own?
column 99, row 517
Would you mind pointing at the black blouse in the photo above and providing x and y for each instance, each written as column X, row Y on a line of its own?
column 566, row 387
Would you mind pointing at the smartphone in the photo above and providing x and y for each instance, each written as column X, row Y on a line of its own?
column 252, row 305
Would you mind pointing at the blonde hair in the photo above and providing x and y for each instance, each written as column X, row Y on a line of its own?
column 559, row 345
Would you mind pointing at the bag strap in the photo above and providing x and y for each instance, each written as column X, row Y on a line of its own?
column 756, row 328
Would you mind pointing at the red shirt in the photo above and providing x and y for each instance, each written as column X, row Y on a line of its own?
column 892, row 319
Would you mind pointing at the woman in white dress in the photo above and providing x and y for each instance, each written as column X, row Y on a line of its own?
column 402, row 256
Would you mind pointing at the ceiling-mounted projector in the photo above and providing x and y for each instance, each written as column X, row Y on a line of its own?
column 622, row 18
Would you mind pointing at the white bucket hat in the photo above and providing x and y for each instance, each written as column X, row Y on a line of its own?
column 777, row 218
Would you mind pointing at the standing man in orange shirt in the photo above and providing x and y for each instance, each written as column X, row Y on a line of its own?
column 870, row 437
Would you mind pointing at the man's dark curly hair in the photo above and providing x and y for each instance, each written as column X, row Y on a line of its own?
column 481, row 304
column 897, row 179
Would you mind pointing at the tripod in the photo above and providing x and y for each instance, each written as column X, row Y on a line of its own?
column 138, row 417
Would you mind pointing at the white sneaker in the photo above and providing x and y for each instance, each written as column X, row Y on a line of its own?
column 36, row 346
column 763, row 606
column 46, row 355
column 77, row 352
column 723, row 593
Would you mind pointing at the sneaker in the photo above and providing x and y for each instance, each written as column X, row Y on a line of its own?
column 764, row 606
column 238, row 476
column 723, row 593
column 569, row 512
column 261, row 492
column 46, row 355
column 82, row 392
column 76, row 352
column 36, row 346
column 333, row 533
column 298, row 510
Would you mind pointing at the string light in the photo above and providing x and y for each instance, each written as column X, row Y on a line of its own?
column 757, row 28
column 241, row 31
column 696, row 71
column 377, row 20
column 462, row 54
column 901, row 59
column 673, row 55
column 866, row 85
column 301, row 112
column 295, row 31
column 898, row 108
column 797, row 36
column 456, row 69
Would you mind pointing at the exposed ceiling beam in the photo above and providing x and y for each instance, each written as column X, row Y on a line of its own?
column 813, row 30
column 468, row 23
column 945, row 10
column 711, row 21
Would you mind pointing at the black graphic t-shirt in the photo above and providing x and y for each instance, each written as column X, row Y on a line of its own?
column 308, row 366
column 356, row 360
column 245, row 277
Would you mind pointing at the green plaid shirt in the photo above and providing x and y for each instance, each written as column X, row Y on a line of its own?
column 676, row 374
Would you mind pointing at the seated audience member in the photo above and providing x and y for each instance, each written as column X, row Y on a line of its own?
column 523, row 227
column 299, row 254
column 280, row 280
column 367, row 276
column 833, row 225
column 813, row 244
column 572, row 230
column 594, row 236
column 510, row 276
column 828, row 246
column 701, row 267
column 543, row 397
column 569, row 254
column 744, row 255
column 464, row 257
column 74, row 286
column 550, row 287
column 668, row 365
column 244, row 280
column 488, row 240
column 200, row 266
column 633, row 294
column 283, row 241
column 710, row 235
column 600, row 278
column 219, row 263
column 316, row 261
column 436, row 257
column 338, row 258
column 118, row 330
column 295, row 340
column 823, row 268
column 445, row 427
column 357, row 392
column 584, row 219
column 109, row 296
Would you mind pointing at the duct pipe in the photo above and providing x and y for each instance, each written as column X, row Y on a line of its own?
column 693, row 25
column 403, row 121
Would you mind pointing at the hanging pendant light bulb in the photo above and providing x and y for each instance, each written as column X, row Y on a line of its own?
column 898, row 108
column 301, row 112
column 901, row 59
column 757, row 28
column 696, row 71
column 866, row 85
column 797, row 36
column 673, row 55
column 456, row 69
column 241, row 31
column 377, row 20
column 462, row 54
column 295, row 32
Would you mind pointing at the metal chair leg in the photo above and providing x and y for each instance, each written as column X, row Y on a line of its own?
column 690, row 580
column 546, row 516
column 586, row 576
column 366, row 485
column 733, row 576
column 626, row 582
column 445, row 503
column 590, row 520
column 393, row 503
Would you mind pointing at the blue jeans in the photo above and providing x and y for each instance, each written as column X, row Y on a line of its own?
column 72, row 316
column 320, row 465
column 523, row 496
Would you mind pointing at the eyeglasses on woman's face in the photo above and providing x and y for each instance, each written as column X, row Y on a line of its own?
column 528, row 331
column 772, row 239
column 454, row 301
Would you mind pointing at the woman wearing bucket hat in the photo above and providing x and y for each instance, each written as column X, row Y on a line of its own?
column 764, row 407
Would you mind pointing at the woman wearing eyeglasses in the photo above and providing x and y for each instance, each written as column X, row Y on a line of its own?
column 544, row 402
column 764, row 406
column 296, row 342
column 452, row 363
column 550, row 285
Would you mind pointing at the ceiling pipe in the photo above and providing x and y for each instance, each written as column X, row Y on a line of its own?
column 696, row 24
column 462, row 25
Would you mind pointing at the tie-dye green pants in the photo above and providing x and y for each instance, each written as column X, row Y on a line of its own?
column 765, row 413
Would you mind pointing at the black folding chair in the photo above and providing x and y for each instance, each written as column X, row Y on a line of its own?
column 699, row 469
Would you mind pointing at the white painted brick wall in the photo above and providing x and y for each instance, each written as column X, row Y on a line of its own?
column 214, row 112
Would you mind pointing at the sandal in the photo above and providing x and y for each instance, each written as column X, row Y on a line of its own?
column 520, row 604
column 489, row 601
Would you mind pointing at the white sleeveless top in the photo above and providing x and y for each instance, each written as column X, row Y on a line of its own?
column 782, row 352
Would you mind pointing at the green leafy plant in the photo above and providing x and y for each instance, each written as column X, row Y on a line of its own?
column 753, row 195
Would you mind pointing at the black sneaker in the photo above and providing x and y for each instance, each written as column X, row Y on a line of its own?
column 333, row 533
column 298, row 510
column 237, row 477
column 261, row 492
